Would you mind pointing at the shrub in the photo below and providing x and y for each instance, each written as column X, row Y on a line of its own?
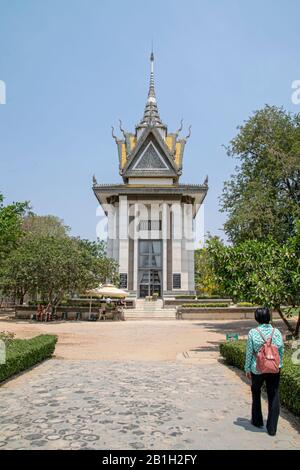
column 7, row 337
column 110, row 306
column 201, row 296
column 234, row 354
column 33, row 303
column 214, row 296
column 24, row 353
column 203, row 305
column 245, row 304
column 69, row 303
column 186, row 296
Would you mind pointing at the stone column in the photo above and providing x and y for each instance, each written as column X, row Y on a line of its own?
column 123, row 234
column 164, row 243
column 187, row 248
column 136, row 245
column 116, row 240
column 110, row 240
column 176, row 238
column 111, row 230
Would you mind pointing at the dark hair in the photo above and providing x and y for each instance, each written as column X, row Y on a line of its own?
column 262, row 315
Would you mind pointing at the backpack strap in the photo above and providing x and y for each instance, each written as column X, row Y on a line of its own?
column 270, row 337
column 272, row 334
column 254, row 352
column 257, row 329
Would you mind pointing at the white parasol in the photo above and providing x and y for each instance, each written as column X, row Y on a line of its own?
column 106, row 290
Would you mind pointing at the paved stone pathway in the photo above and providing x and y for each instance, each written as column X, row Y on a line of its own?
column 133, row 405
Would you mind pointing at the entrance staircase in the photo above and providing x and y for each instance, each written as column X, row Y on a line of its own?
column 150, row 310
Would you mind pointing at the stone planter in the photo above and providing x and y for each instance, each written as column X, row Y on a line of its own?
column 217, row 313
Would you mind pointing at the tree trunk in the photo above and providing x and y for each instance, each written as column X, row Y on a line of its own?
column 285, row 320
column 297, row 326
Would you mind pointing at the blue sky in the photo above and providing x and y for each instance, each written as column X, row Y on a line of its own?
column 73, row 67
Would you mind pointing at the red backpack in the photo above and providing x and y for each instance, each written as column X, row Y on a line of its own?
column 267, row 358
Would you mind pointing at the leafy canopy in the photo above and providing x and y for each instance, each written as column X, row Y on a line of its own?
column 263, row 197
column 53, row 267
column 205, row 281
column 262, row 272
column 39, row 258
column 44, row 225
column 10, row 225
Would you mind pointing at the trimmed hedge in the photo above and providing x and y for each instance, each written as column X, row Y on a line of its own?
column 245, row 304
column 204, row 305
column 24, row 353
column 234, row 353
column 215, row 296
column 200, row 296
column 70, row 303
column 187, row 296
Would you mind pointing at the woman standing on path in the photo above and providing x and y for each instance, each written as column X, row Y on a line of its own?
column 257, row 338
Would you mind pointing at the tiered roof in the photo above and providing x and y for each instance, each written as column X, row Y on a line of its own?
column 150, row 150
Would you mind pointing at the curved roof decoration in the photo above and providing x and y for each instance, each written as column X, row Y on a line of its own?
column 171, row 145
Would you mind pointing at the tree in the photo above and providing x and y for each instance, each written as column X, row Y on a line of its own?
column 106, row 268
column 205, row 281
column 263, row 197
column 52, row 267
column 10, row 225
column 262, row 272
column 45, row 225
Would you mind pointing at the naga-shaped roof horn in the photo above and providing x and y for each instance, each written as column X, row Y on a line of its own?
column 189, row 133
column 180, row 127
column 121, row 128
column 113, row 134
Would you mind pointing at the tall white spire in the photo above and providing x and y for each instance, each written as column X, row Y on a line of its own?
column 151, row 115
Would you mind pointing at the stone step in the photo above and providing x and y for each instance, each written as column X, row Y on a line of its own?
column 141, row 312
column 139, row 309
column 150, row 309
column 148, row 315
column 142, row 307
column 148, row 319
column 157, row 312
column 145, row 310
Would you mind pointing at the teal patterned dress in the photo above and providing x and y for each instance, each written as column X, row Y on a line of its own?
column 255, row 342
